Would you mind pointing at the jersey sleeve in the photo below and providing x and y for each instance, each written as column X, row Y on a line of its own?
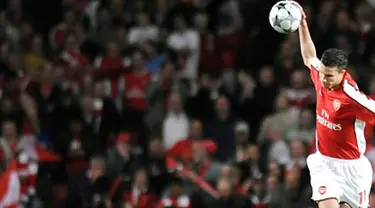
column 315, row 65
column 364, row 106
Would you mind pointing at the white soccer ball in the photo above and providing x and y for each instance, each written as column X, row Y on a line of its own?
column 285, row 17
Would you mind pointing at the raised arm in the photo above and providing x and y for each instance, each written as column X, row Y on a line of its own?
column 307, row 46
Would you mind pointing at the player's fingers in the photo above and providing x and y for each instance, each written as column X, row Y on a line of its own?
column 297, row 4
column 301, row 8
column 303, row 14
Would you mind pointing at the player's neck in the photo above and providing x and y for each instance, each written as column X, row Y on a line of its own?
column 337, row 86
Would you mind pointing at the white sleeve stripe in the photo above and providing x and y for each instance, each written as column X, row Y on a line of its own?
column 359, row 97
column 315, row 63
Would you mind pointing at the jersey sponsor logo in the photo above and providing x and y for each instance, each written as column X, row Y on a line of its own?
column 322, row 190
column 323, row 119
column 336, row 105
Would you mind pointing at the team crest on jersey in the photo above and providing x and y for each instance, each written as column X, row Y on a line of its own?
column 336, row 105
column 322, row 190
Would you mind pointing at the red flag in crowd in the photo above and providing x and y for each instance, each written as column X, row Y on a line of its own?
column 31, row 153
column 10, row 187
column 35, row 151
column 196, row 179
column 45, row 155
column 184, row 148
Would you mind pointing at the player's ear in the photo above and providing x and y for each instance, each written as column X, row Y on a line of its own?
column 341, row 70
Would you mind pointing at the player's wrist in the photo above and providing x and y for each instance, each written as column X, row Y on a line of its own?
column 303, row 23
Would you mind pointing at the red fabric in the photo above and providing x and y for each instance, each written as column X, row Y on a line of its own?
column 31, row 179
column 12, row 206
column 303, row 102
column 27, row 128
column 171, row 163
column 230, row 41
column 123, row 137
column 135, row 86
column 114, row 187
column 144, row 200
column 208, row 59
column 184, row 149
column 334, row 124
column 110, row 63
column 228, row 58
column 240, row 189
column 196, row 179
column 24, row 188
column 111, row 68
column 76, row 165
column 45, row 89
column 31, row 154
column 312, row 148
column 228, row 45
column 46, row 155
column 114, row 87
column 28, row 179
column 2, row 155
column 57, row 36
column 73, row 57
column 166, row 86
column 5, row 179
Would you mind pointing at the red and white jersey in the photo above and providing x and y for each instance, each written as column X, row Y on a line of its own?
column 112, row 86
column 135, row 90
column 74, row 58
column 341, row 117
column 10, row 187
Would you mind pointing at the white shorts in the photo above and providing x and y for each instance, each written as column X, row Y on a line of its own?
column 347, row 181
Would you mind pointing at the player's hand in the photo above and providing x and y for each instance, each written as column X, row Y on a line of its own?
column 301, row 8
column 303, row 20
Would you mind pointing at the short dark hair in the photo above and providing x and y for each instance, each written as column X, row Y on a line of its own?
column 334, row 57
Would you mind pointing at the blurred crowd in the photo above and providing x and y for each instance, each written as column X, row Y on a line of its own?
column 169, row 103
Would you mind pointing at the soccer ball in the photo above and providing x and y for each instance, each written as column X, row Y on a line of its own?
column 285, row 17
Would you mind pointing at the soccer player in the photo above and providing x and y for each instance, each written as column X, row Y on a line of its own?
column 340, row 174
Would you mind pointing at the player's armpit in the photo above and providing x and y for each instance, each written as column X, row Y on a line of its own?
column 314, row 63
column 365, row 115
column 364, row 106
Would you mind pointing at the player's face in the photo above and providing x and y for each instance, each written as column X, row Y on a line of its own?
column 330, row 77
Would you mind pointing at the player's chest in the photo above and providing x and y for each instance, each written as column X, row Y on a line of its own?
column 333, row 105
